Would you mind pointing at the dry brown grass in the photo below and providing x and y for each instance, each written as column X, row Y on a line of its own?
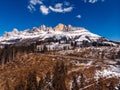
column 14, row 72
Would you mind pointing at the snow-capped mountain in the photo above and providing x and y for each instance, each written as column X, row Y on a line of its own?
column 59, row 32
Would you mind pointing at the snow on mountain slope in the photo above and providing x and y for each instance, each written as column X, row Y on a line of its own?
column 43, row 32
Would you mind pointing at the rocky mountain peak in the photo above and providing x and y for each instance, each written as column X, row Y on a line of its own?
column 15, row 31
column 43, row 27
column 69, row 27
column 6, row 34
column 36, row 29
column 60, row 27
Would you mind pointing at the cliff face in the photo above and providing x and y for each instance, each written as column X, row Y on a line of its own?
column 60, row 27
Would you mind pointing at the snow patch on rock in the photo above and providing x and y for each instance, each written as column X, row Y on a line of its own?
column 111, row 72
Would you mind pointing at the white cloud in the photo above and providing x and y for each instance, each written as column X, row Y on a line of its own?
column 55, row 9
column 31, row 8
column 35, row 2
column 69, row 9
column 92, row 1
column 79, row 16
column 44, row 9
column 32, row 4
column 59, row 7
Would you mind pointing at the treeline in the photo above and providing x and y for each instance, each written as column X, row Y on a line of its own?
column 9, row 52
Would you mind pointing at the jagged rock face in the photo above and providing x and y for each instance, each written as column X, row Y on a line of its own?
column 14, row 32
column 60, row 27
column 49, row 29
column 43, row 27
column 6, row 34
column 36, row 29
column 69, row 27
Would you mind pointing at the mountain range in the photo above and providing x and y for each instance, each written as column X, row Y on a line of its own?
column 59, row 32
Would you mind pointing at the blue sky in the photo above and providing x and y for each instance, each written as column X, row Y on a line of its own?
column 99, row 16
